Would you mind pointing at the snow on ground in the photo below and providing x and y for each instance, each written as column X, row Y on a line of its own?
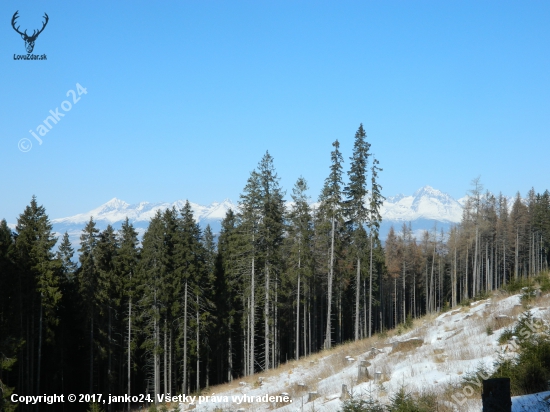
column 435, row 355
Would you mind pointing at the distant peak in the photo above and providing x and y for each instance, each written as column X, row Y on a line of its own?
column 115, row 202
column 428, row 190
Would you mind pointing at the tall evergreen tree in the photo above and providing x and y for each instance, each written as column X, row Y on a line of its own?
column 356, row 193
column 271, row 231
column 35, row 243
column 128, row 260
column 247, row 250
column 228, row 298
column 299, row 258
column 374, row 220
column 108, row 298
column 88, row 279
column 10, row 333
column 331, row 205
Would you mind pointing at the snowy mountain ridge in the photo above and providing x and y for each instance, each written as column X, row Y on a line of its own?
column 425, row 208
column 426, row 203
column 116, row 210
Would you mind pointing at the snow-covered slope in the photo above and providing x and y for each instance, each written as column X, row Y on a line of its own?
column 433, row 357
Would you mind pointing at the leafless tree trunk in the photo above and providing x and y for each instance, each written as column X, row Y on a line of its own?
column 370, row 289
column 252, row 320
column 129, row 348
column 184, row 381
column 198, row 348
column 357, row 296
column 329, row 293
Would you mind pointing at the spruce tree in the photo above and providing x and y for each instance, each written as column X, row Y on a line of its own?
column 108, row 298
column 40, row 268
column 151, row 271
column 373, row 221
column 228, row 298
column 245, row 262
column 271, row 229
column 10, row 336
column 356, row 193
column 331, row 208
column 88, row 279
column 189, row 267
column 127, row 262
column 299, row 257
column 208, row 317
column 65, row 255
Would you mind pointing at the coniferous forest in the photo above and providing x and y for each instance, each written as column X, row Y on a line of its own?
column 184, row 308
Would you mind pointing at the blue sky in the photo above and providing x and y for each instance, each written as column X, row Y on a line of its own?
column 184, row 97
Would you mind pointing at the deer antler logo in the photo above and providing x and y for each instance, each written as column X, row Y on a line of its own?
column 29, row 40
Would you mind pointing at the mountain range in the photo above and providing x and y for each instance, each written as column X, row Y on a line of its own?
column 424, row 209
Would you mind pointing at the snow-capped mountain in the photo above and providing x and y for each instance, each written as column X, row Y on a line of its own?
column 425, row 203
column 424, row 209
column 115, row 211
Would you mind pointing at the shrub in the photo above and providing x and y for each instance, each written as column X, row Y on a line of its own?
column 516, row 285
column 505, row 336
column 361, row 405
column 527, row 295
column 544, row 281
column 474, row 379
column 466, row 303
column 529, row 372
column 408, row 322
column 403, row 401
column 484, row 294
column 95, row 407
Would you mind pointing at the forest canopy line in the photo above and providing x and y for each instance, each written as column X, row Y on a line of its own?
column 187, row 308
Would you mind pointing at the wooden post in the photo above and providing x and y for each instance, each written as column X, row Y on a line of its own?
column 345, row 393
column 496, row 395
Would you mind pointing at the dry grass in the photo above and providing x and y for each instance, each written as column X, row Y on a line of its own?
column 327, row 363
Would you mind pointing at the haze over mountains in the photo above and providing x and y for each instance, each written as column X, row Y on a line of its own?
column 425, row 208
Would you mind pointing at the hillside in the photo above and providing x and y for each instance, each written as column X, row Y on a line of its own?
column 432, row 357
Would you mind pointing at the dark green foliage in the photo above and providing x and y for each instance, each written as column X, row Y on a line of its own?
column 408, row 322
column 529, row 372
column 356, row 191
column 505, row 336
column 515, row 286
column 404, row 401
column 9, row 342
column 95, row 407
column 475, row 378
column 355, row 404
column 544, row 281
column 65, row 254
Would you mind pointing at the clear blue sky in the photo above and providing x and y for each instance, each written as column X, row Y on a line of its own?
column 184, row 97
